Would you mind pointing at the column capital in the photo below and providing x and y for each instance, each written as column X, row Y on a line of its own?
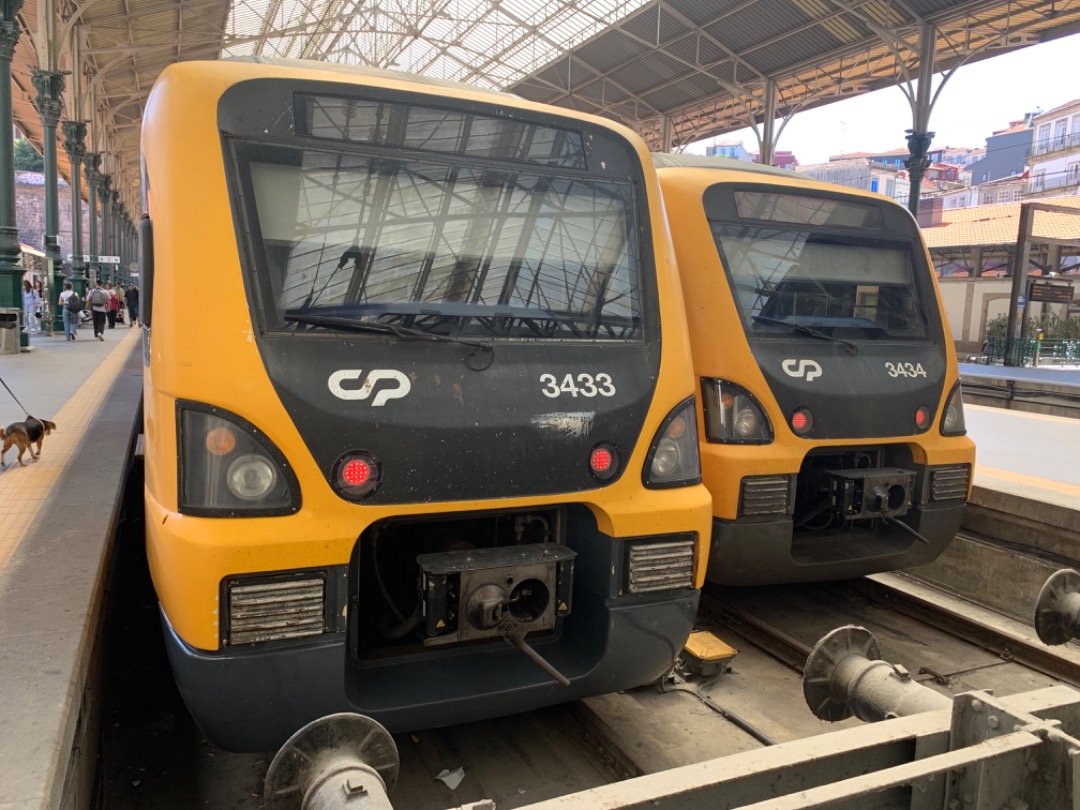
column 92, row 162
column 74, row 140
column 9, row 27
column 49, row 85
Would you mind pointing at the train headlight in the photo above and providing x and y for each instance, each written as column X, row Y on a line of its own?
column 250, row 477
column 732, row 415
column 229, row 468
column 665, row 459
column 747, row 424
column 952, row 421
column 673, row 459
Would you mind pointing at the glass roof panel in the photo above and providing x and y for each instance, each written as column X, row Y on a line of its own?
column 487, row 44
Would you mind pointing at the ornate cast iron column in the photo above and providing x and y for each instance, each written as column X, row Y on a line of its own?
column 10, row 269
column 118, row 228
column 75, row 146
column 917, row 164
column 104, row 247
column 49, row 85
column 92, row 161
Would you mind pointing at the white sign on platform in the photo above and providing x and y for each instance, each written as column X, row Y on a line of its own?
column 98, row 259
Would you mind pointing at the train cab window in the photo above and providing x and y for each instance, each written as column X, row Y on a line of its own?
column 798, row 262
column 452, row 224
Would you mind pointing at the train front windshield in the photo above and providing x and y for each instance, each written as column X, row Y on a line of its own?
column 804, row 265
column 445, row 222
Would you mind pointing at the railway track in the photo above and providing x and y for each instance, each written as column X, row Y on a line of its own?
column 155, row 757
column 1008, row 640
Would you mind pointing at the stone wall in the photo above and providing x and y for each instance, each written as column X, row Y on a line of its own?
column 30, row 213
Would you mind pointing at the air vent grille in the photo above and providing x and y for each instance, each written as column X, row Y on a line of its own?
column 276, row 609
column 948, row 483
column 766, row 495
column 661, row 566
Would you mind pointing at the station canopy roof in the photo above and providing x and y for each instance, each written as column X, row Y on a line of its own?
column 674, row 70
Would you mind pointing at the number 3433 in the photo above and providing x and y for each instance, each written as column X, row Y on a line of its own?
column 586, row 385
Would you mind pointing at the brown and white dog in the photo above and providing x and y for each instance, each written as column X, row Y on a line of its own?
column 24, row 435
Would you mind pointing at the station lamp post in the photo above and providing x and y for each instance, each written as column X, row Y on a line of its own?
column 10, row 270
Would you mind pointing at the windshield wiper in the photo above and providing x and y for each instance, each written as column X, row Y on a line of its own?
column 383, row 328
column 852, row 348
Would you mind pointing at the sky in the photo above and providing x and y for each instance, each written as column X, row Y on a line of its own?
column 976, row 100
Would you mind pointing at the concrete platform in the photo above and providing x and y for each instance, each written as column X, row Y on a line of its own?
column 1053, row 390
column 57, row 519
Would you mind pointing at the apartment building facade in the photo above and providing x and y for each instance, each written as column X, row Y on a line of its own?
column 1055, row 152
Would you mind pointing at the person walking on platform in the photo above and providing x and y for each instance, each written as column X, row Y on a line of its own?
column 69, row 308
column 41, row 296
column 31, row 305
column 131, row 297
column 99, row 307
column 112, row 306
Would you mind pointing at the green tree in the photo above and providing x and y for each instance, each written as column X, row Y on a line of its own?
column 1054, row 327
column 26, row 159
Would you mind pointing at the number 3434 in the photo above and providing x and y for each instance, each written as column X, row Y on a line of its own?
column 587, row 385
column 905, row 369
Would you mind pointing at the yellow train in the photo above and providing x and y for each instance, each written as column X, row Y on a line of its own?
column 420, row 424
column 832, row 425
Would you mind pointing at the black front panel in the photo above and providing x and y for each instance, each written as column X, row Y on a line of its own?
column 457, row 433
column 854, row 396
column 463, row 290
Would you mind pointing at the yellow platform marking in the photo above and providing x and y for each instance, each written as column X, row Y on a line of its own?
column 1009, row 476
column 25, row 489
column 1042, row 417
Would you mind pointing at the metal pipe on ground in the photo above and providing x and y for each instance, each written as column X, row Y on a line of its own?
column 846, row 677
column 339, row 762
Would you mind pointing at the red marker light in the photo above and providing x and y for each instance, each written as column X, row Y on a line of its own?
column 603, row 461
column 802, row 422
column 600, row 460
column 922, row 418
column 357, row 474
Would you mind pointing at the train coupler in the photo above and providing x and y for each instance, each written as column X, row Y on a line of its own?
column 494, row 592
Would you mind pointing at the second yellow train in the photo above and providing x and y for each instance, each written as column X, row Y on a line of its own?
column 830, row 414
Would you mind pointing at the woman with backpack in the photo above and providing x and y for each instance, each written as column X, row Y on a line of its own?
column 99, row 306
column 70, row 306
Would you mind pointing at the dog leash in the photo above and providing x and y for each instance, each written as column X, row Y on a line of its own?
column 14, row 397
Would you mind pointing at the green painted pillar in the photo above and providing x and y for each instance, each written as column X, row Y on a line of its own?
column 10, row 269
column 92, row 163
column 118, row 235
column 917, row 164
column 75, row 146
column 49, row 85
column 105, row 246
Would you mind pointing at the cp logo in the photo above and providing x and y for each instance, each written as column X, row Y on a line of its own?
column 364, row 391
column 801, row 368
